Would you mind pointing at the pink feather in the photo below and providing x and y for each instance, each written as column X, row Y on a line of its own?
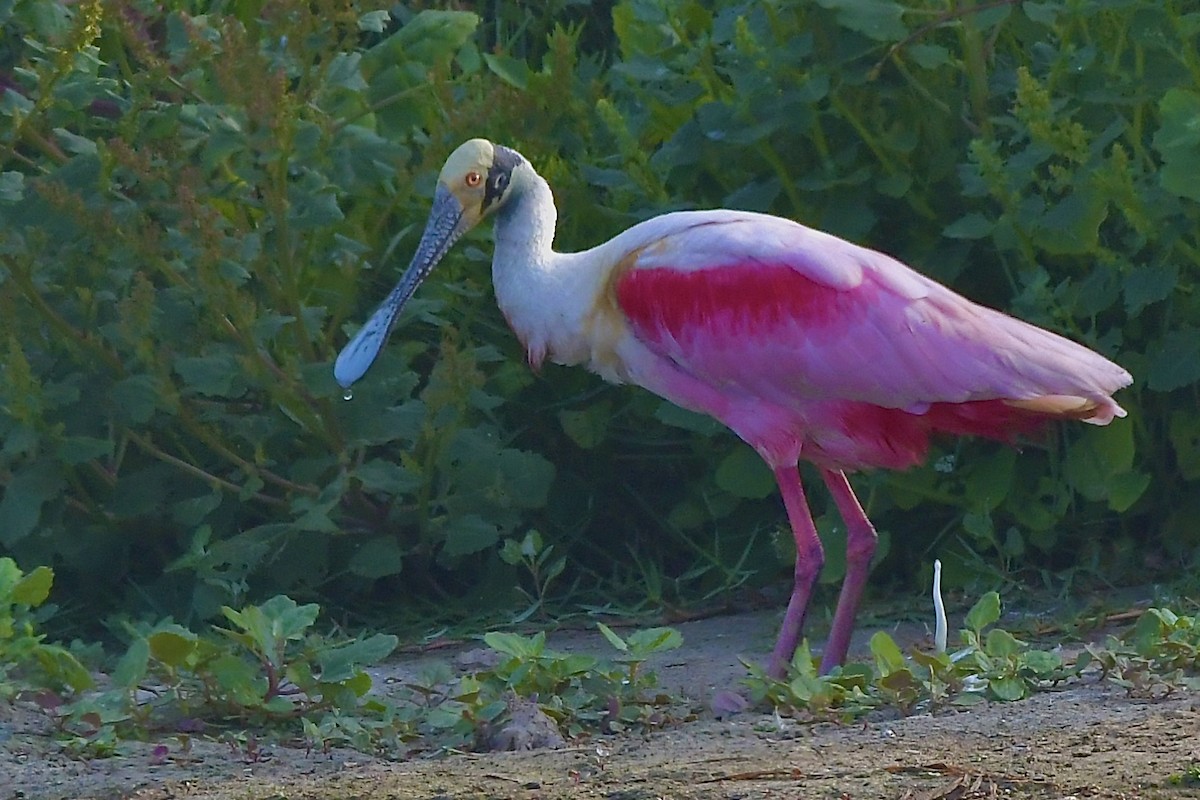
column 862, row 356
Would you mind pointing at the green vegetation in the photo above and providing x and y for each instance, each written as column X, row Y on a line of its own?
column 991, row 665
column 1160, row 655
column 198, row 204
column 25, row 656
column 1189, row 777
column 270, row 674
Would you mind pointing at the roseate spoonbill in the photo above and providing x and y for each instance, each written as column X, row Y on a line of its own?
column 803, row 344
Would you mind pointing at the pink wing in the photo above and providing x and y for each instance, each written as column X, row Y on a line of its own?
column 770, row 309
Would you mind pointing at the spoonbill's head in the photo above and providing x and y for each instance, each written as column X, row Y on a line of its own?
column 473, row 183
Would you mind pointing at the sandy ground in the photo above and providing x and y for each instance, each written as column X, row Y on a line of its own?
column 1087, row 741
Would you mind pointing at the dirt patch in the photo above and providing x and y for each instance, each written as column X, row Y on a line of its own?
column 1087, row 741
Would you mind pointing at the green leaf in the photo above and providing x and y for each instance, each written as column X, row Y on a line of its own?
column 1095, row 458
column 34, row 587
column 528, row 475
column 359, row 683
column 516, row 645
column 210, row 375
column 1072, row 225
column 135, row 399
column 284, row 706
column 27, row 491
column 288, row 619
column 342, row 662
column 1184, row 433
column 1043, row 662
column 313, row 206
column 901, row 684
column 431, row 37
column 888, row 656
column 1178, row 141
column 74, row 143
column 989, row 480
column 1007, row 689
column 345, row 73
column 1042, row 13
column 555, row 569
column 10, row 574
column 61, row 667
column 673, row 415
column 468, row 534
column 640, row 29
column 972, row 226
column 1150, row 284
column 643, row 643
column 173, row 646
column 131, row 668
column 532, row 544
column 744, row 474
column 512, row 71
column 82, row 449
column 377, row 558
column 494, row 482
column 274, row 622
column 1175, row 362
column 878, row 19
column 12, row 187
column 1001, row 644
column 1126, row 488
column 387, row 477
column 587, row 427
column 511, row 552
column 984, row 613
column 613, row 638
column 979, row 525
column 929, row 56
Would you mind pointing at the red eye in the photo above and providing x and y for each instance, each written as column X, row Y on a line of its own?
column 473, row 178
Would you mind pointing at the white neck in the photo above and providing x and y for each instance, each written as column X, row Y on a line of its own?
column 544, row 295
column 524, row 230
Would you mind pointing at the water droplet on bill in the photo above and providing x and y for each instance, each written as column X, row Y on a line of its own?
column 348, row 394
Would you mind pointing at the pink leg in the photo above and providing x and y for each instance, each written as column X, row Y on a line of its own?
column 809, row 560
column 860, row 546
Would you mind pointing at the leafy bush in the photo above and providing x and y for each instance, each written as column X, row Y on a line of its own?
column 1041, row 145
column 270, row 674
column 198, row 208
column 1157, row 657
column 27, row 660
column 183, row 246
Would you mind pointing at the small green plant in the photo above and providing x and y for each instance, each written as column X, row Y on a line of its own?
column 1158, row 657
column 1188, row 777
column 997, row 663
column 269, row 670
column 537, row 559
column 269, row 674
column 992, row 664
column 582, row 691
column 844, row 694
column 579, row 692
column 638, row 647
column 26, row 659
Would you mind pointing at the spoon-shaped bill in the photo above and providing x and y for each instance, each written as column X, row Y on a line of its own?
column 446, row 224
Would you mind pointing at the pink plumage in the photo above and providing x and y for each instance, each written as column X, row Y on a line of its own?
column 865, row 357
column 805, row 345
column 808, row 346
